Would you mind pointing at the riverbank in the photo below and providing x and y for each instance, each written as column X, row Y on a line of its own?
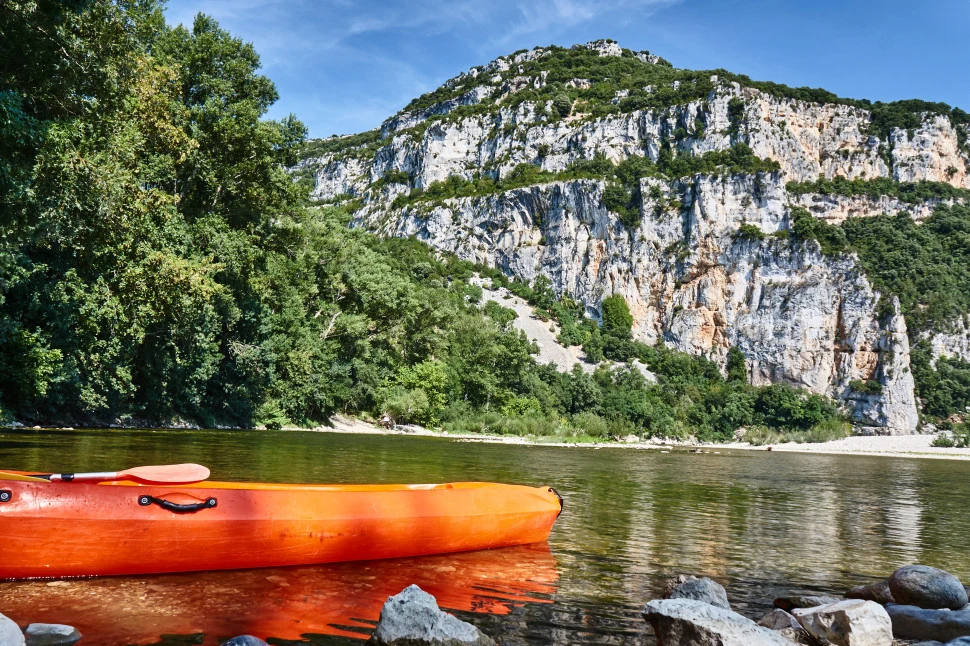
column 899, row 446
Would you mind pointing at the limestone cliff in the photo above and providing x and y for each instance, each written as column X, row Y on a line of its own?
column 691, row 278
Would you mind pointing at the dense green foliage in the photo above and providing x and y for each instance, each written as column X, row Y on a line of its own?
column 361, row 144
column 926, row 265
column 907, row 192
column 803, row 226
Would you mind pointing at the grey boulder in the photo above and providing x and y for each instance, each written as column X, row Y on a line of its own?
column 245, row 640
column 699, row 589
column 412, row 617
column 878, row 592
column 927, row 587
column 10, row 634
column 851, row 622
column 803, row 601
column 911, row 622
column 785, row 624
column 960, row 641
column 685, row 622
column 51, row 635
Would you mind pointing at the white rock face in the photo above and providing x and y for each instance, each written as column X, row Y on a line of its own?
column 931, row 153
column 836, row 209
column 798, row 316
column 953, row 344
column 852, row 622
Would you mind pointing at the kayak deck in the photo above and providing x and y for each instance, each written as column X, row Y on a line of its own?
column 74, row 529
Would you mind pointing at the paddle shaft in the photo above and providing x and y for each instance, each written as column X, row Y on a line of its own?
column 96, row 476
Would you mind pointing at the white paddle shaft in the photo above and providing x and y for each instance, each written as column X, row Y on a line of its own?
column 83, row 477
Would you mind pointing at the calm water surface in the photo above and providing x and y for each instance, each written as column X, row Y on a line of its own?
column 763, row 524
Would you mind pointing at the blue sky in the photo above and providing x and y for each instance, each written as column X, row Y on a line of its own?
column 343, row 66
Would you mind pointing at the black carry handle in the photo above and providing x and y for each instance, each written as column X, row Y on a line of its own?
column 208, row 503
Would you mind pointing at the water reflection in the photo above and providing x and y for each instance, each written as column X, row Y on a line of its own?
column 763, row 524
column 284, row 603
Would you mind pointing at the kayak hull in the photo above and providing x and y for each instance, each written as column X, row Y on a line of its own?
column 52, row 530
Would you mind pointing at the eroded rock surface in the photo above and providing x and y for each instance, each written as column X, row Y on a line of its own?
column 700, row 589
column 685, row 622
column 51, row 635
column 412, row 618
column 852, row 622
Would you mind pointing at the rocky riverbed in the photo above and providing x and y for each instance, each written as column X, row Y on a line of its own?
column 917, row 605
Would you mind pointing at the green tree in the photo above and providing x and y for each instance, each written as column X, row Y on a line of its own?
column 617, row 320
column 737, row 369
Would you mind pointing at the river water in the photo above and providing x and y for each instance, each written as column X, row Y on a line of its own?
column 763, row 524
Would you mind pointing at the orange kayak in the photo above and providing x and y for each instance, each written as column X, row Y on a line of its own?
column 53, row 529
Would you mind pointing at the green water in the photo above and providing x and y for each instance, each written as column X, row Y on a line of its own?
column 763, row 524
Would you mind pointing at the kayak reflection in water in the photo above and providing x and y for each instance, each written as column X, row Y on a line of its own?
column 286, row 603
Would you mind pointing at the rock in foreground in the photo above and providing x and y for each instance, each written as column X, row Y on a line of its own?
column 852, row 622
column 910, row 622
column 685, row 622
column 51, row 635
column 803, row 601
column 927, row 587
column 787, row 626
column 413, row 617
column 10, row 634
column 878, row 592
column 703, row 589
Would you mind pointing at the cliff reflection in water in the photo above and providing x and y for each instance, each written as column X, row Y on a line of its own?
column 285, row 603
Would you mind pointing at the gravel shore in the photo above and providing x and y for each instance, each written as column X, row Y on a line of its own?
column 900, row 446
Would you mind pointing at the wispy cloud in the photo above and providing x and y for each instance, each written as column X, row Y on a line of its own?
column 359, row 49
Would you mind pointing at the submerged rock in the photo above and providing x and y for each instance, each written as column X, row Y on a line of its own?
column 927, row 587
column 51, row 635
column 685, row 622
column 878, row 592
column 699, row 589
column 412, row 617
column 911, row 622
column 803, row 601
column 10, row 634
column 245, row 640
column 852, row 622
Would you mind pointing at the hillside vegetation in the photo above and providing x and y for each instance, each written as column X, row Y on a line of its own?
column 159, row 265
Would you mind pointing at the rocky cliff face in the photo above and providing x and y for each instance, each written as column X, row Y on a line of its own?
column 691, row 280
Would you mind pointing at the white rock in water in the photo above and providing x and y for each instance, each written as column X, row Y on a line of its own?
column 686, row 622
column 10, row 634
column 412, row 617
column 852, row 622
column 51, row 635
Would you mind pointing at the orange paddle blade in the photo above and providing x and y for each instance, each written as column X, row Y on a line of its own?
column 167, row 473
